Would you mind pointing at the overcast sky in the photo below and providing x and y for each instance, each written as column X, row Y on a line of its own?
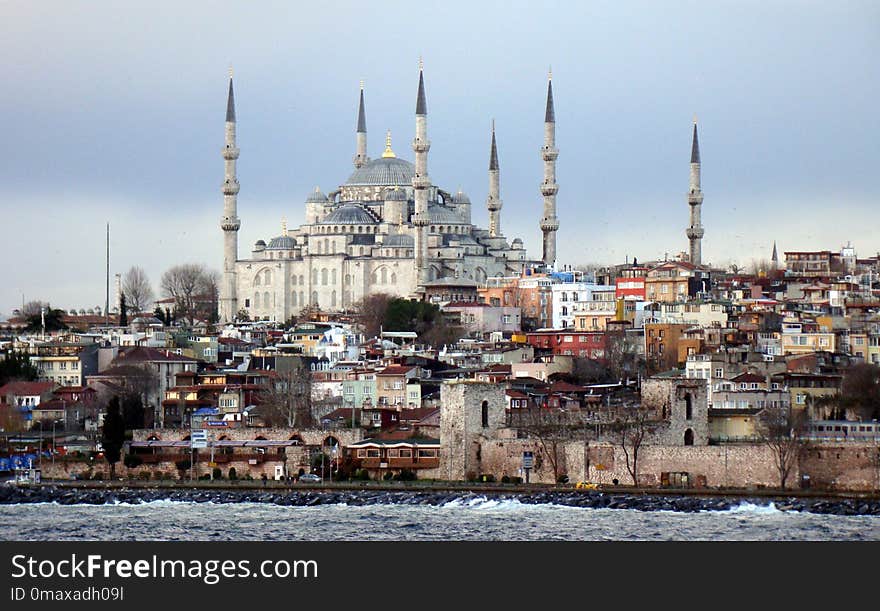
column 113, row 112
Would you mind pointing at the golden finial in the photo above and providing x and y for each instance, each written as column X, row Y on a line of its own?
column 284, row 226
column 388, row 152
column 695, row 118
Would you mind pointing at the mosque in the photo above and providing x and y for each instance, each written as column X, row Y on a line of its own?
column 387, row 229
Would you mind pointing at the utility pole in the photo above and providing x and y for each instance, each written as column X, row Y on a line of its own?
column 107, row 294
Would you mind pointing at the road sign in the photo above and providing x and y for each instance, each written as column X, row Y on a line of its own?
column 198, row 438
column 216, row 423
column 196, row 444
column 528, row 460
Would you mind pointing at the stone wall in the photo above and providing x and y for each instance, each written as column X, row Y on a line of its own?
column 850, row 466
column 309, row 437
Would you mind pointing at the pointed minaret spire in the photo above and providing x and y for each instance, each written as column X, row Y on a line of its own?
column 421, row 183
column 493, row 154
column 360, row 156
column 695, row 231
column 549, row 188
column 774, row 258
column 550, row 113
column 230, row 102
column 421, row 104
column 229, row 223
column 493, row 201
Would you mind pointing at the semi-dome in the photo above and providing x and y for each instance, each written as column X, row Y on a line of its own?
column 316, row 197
column 399, row 240
column 349, row 214
column 394, row 195
column 442, row 214
column 282, row 242
column 383, row 171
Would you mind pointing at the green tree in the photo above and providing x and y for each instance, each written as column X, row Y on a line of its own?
column 17, row 366
column 54, row 319
column 123, row 311
column 113, row 435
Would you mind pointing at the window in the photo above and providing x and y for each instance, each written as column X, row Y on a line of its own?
column 485, row 415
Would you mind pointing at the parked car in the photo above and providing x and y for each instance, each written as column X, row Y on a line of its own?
column 309, row 478
column 586, row 486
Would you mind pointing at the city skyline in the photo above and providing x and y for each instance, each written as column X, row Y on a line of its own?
column 117, row 128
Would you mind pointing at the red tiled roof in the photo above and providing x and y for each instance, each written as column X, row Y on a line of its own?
column 144, row 354
column 26, row 389
column 395, row 370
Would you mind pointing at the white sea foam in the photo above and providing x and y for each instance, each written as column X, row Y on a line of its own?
column 746, row 507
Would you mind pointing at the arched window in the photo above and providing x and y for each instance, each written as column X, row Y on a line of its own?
column 318, row 247
column 689, row 437
column 333, row 277
column 393, row 278
column 257, row 280
column 267, row 277
column 324, row 276
column 293, row 279
column 362, row 251
column 256, row 300
column 384, row 275
column 360, row 228
column 302, row 301
column 327, row 246
column 485, row 414
column 314, row 298
column 332, row 299
column 293, row 298
column 347, row 279
column 314, row 275
column 301, row 282
column 266, row 302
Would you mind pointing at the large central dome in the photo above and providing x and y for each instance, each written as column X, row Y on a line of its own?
column 385, row 171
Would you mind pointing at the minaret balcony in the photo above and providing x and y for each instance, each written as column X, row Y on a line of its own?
column 549, row 153
column 549, row 189
column 230, row 187
column 421, row 146
column 549, row 224
column 230, row 153
column 230, row 224
column 695, row 233
column 695, row 199
column 421, row 182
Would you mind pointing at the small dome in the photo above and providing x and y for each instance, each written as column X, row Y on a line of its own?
column 316, row 197
column 282, row 242
column 399, row 240
column 461, row 198
column 349, row 214
column 442, row 214
column 383, row 171
column 394, row 195
column 260, row 245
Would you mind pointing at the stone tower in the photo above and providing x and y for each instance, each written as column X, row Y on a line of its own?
column 421, row 182
column 549, row 153
column 493, row 201
column 230, row 222
column 695, row 200
column 360, row 157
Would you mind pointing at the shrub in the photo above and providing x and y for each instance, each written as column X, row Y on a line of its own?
column 87, row 474
column 233, row 475
column 505, row 479
column 217, row 473
column 387, row 476
column 406, row 475
column 144, row 475
column 562, row 479
column 249, row 477
column 362, row 474
column 471, row 476
column 487, row 477
column 516, row 480
column 159, row 475
column 183, row 465
column 132, row 461
column 98, row 476
column 204, row 477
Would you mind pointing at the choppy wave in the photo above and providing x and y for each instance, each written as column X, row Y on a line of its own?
column 751, row 508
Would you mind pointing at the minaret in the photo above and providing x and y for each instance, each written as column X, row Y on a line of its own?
column 230, row 222
column 695, row 200
column 493, row 202
column 549, row 153
column 421, row 182
column 360, row 157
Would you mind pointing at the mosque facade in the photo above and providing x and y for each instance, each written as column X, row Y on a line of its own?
column 387, row 229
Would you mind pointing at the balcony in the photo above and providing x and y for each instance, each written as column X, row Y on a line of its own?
column 375, row 462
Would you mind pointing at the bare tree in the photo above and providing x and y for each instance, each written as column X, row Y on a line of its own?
column 372, row 310
column 781, row 429
column 551, row 428
column 34, row 308
column 137, row 290
column 194, row 289
column 287, row 400
column 632, row 427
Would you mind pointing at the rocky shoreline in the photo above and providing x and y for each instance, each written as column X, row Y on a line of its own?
column 304, row 498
